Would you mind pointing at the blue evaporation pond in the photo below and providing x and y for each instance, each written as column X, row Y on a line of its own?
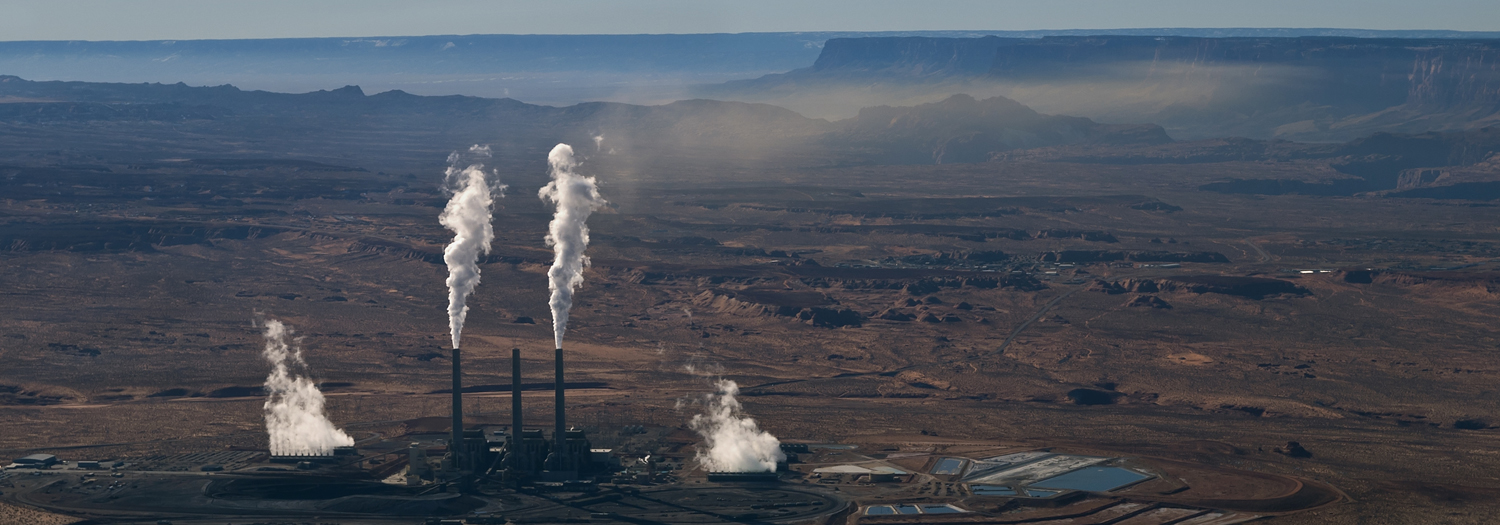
column 907, row 509
column 880, row 511
column 1093, row 479
column 948, row 467
column 991, row 490
column 1038, row 493
column 939, row 509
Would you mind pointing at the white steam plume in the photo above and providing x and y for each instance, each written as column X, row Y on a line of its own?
column 294, row 406
column 468, row 215
column 733, row 442
column 576, row 198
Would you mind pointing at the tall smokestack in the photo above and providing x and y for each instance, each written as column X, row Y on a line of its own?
column 515, row 405
column 576, row 197
column 560, row 426
column 456, row 445
column 468, row 215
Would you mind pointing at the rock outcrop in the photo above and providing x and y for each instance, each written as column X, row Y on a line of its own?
column 811, row 307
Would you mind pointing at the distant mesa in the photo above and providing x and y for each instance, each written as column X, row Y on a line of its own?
column 1148, row 301
column 813, row 308
column 1438, row 165
column 894, row 314
column 1248, row 287
column 1089, row 396
column 238, row 391
column 1471, row 424
column 1309, row 88
column 959, row 129
column 962, row 129
column 1293, row 449
column 177, row 392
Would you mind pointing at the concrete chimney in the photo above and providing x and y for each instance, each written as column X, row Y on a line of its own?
column 456, row 443
column 515, row 405
column 559, row 431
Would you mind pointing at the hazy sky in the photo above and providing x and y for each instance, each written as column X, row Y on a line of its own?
column 200, row 19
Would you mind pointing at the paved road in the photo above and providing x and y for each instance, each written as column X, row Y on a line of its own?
column 1264, row 257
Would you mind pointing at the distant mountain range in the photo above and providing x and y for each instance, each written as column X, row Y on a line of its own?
column 541, row 69
column 886, row 98
column 1303, row 88
column 960, row 129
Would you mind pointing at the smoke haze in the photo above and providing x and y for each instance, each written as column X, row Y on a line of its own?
column 294, row 407
column 468, row 215
column 733, row 442
column 576, row 198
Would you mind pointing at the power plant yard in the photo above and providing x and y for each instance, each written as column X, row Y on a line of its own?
column 349, row 490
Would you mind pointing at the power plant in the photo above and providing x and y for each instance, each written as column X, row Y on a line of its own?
column 720, row 466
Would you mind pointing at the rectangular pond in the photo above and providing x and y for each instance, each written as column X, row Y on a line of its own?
column 1093, row 479
column 891, row 510
column 1039, row 493
column 940, row 509
column 1036, row 470
column 983, row 467
column 991, row 490
column 949, row 466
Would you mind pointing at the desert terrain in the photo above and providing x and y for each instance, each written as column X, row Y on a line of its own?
column 1118, row 294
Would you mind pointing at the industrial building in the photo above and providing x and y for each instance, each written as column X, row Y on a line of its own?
column 37, row 461
column 520, row 456
column 499, row 474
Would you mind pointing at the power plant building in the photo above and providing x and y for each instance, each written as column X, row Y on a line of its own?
column 521, row 454
column 37, row 461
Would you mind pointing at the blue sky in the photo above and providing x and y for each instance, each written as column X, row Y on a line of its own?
column 201, row 19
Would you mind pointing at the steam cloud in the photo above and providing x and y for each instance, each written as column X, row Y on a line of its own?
column 468, row 215
column 734, row 442
column 294, row 408
column 576, row 198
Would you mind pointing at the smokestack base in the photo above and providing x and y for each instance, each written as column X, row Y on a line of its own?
column 456, row 440
column 560, row 424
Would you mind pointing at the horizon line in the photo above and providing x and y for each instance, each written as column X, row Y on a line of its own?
column 1097, row 32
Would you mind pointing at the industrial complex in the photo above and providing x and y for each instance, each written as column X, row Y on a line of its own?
column 517, row 474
